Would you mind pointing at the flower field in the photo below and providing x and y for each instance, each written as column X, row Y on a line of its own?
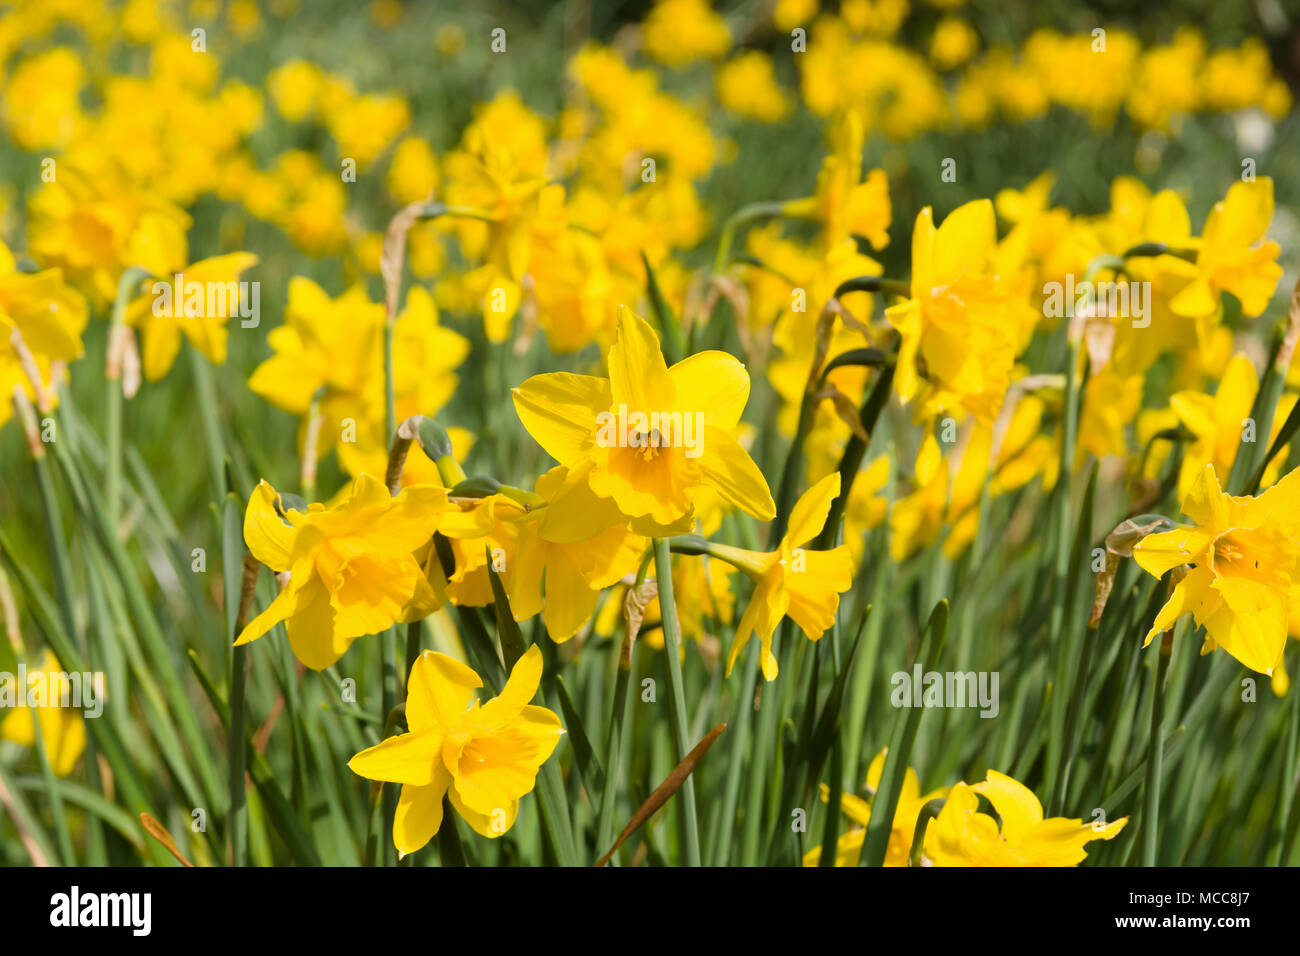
column 649, row 434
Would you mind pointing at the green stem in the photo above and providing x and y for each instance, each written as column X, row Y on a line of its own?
column 1155, row 758
column 414, row 633
column 769, row 713
column 731, row 789
column 235, row 739
column 26, row 822
column 1287, row 780
column 375, row 818
column 885, row 802
column 617, row 719
column 1065, row 715
column 1061, row 537
column 614, row 748
column 831, row 830
column 1246, row 472
column 450, row 850
column 873, row 284
column 742, row 216
column 929, row 812
column 130, row 280
column 238, row 802
column 690, row 831
column 206, row 394
column 105, row 731
column 63, row 585
column 854, row 451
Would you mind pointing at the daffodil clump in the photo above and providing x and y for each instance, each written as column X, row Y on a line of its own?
column 963, row 834
column 781, row 434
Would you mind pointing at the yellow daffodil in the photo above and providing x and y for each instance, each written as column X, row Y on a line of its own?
column 563, row 578
column 482, row 533
column 789, row 14
column 47, row 313
column 1024, row 205
column 329, row 344
column 678, row 32
column 948, row 492
column 41, row 109
column 953, row 42
column 63, row 729
column 351, row 565
column 1233, row 255
column 199, row 304
column 804, row 584
column 603, row 430
column 845, row 203
column 795, row 333
column 890, row 83
column 636, row 120
column 93, row 222
column 944, row 495
column 499, row 170
column 702, row 593
column 47, row 316
column 848, row 849
column 1220, row 423
column 1110, row 403
column 483, row 758
column 364, row 125
column 964, row 324
column 413, row 171
column 295, row 88
column 963, row 836
column 334, row 347
column 1241, row 555
column 425, row 356
column 747, row 85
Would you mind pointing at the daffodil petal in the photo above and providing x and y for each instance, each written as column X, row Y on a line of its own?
column 713, row 383
column 419, row 813
column 406, row 758
column 729, row 469
column 638, row 377
column 559, row 410
column 808, row 515
column 438, row 691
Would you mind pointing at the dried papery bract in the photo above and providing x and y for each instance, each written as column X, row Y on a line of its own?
column 1119, row 544
column 26, row 361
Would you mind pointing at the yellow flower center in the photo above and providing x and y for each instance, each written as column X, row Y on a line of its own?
column 649, row 443
column 1226, row 551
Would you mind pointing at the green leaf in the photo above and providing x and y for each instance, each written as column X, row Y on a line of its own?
column 277, row 806
column 593, row 776
column 672, row 342
column 885, row 802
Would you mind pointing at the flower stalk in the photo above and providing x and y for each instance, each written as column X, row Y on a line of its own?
column 687, row 816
